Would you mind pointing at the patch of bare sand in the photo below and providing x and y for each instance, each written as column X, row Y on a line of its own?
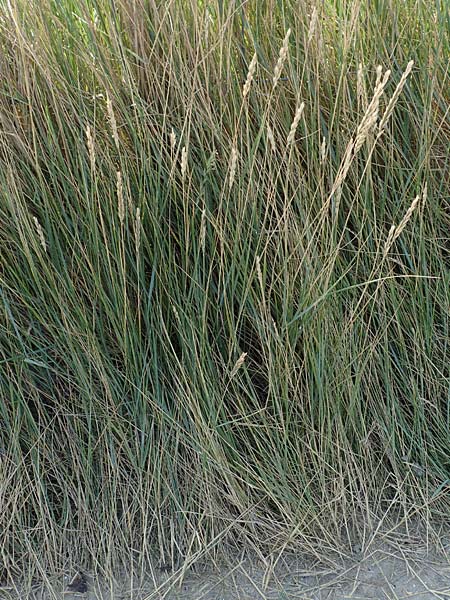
column 382, row 571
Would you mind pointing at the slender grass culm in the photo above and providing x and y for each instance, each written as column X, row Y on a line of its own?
column 222, row 329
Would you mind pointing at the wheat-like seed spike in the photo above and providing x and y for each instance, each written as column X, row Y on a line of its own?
column 389, row 239
column 323, row 150
column 120, row 201
column 424, row 193
column 360, row 91
column 259, row 272
column 203, row 230
column 370, row 117
column 275, row 328
column 379, row 73
column 395, row 232
column 112, row 121
column 406, row 218
column 173, row 140
column 91, row 147
column 281, row 59
column 395, row 95
column 271, row 138
column 343, row 169
column 295, row 123
column 233, row 165
column 250, row 75
column 176, row 313
column 138, row 230
column 238, row 364
column 40, row 233
column 312, row 25
column 184, row 155
column 366, row 125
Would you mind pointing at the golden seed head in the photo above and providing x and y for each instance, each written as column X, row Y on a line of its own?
column 90, row 146
column 137, row 230
column 295, row 122
column 323, row 149
column 281, row 59
column 389, row 239
column 425, row 193
column 369, row 120
column 394, row 232
column 112, row 121
column 271, row 137
column 360, row 87
column 392, row 102
column 312, row 25
column 173, row 140
column 233, row 165
column 40, row 233
column 203, row 230
column 238, row 364
column 120, row 201
column 250, row 74
column 184, row 154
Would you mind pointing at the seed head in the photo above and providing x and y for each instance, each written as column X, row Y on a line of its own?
column 40, row 233
column 184, row 161
column 120, row 202
column 394, row 232
column 137, row 230
column 323, row 149
column 238, row 364
column 90, row 146
column 112, row 121
column 173, row 140
column 281, row 59
column 250, row 74
column 395, row 95
column 295, row 122
column 312, row 24
column 271, row 138
column 233, row 165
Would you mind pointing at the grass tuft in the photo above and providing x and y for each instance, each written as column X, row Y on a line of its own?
column 212, row 333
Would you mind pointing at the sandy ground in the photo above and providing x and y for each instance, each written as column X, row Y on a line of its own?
column 382, row 572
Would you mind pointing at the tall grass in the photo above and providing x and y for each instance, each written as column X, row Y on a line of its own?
column 224, row 283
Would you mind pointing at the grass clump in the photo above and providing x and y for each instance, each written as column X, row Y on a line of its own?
column 224, row 283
